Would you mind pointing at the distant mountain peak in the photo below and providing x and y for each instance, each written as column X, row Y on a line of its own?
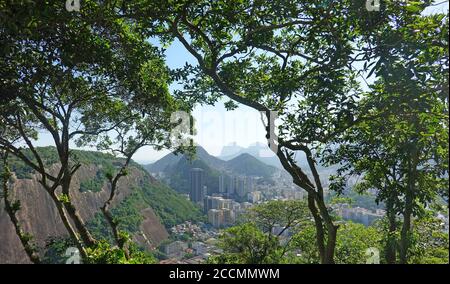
column 230, row 149
column 243, row 156
column 250, row 165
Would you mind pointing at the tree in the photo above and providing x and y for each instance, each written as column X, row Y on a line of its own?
column 143, row 122
column 11, row 208
column 402, row 149
column 246, row 244
column 255, row 241
column 429, row 242
column 104, row 253
column 352, row 243
column 293, row 59
column 76, row 76
column 286, row 58
column 285, row 214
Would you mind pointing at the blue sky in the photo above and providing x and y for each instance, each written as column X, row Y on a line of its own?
column 217, row 127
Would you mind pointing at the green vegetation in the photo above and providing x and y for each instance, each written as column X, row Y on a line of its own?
column 178, row 170
column 248, row 244
column 95, row 185
column 180, row 174
column 297, row 59
column 24, row 171
column 253, row 242
column 351, row 244
column 104, row 253
column 430, row 242
column 101, row 253
column 171, row 207
column 339, row 85
column 55, row 250
column 250, row 166
column 168, row 205
column 245, row 244
column 355, row 199
column 106, row 87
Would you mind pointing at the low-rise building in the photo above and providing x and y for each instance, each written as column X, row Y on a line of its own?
column 199, row 248
column 175, row 249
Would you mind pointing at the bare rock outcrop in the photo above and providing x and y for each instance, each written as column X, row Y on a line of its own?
column 38, row 214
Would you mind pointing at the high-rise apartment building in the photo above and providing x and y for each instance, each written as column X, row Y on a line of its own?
column 197, row 185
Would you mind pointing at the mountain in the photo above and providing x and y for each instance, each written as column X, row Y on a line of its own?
column 210, row 160
column 264, row 154
column 251, row 166
column 178, row 176
column 258, row 150
column 170, row 160
column 230, row 150
column 176, row 172
column 176, row 169
column 144, row 206
column 161, row 164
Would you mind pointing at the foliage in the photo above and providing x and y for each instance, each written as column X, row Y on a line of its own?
column 168, row 205
column 93, row 78
column 430, row 242
column 356, row 199
column 294, row 59
column 305, row 242
column 100, row 229
column 353, row 241
column 86, row 77
column 400, row 144
column 55, row 250
column 287, row 214
column 246, row 244
column 254, row 241
column 101, row 253
column 171, row 207
column 351, row 244
column 104, row 253
column 95, row 184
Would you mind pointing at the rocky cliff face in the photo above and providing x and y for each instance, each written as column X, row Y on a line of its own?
column 38, row 214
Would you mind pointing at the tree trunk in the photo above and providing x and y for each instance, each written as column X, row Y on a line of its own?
column 325, row 215
column 26, row 243
column 319, row 211
column 73, row 213
column 79, row 224
column 331, row 244
column 331, row 231
column 405, row 234
column 391, row 245
column 320, row 235
column 73, row 234
column 122, row 243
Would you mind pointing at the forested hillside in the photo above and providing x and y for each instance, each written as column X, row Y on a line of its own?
column 141, row 198
column 177, row 169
